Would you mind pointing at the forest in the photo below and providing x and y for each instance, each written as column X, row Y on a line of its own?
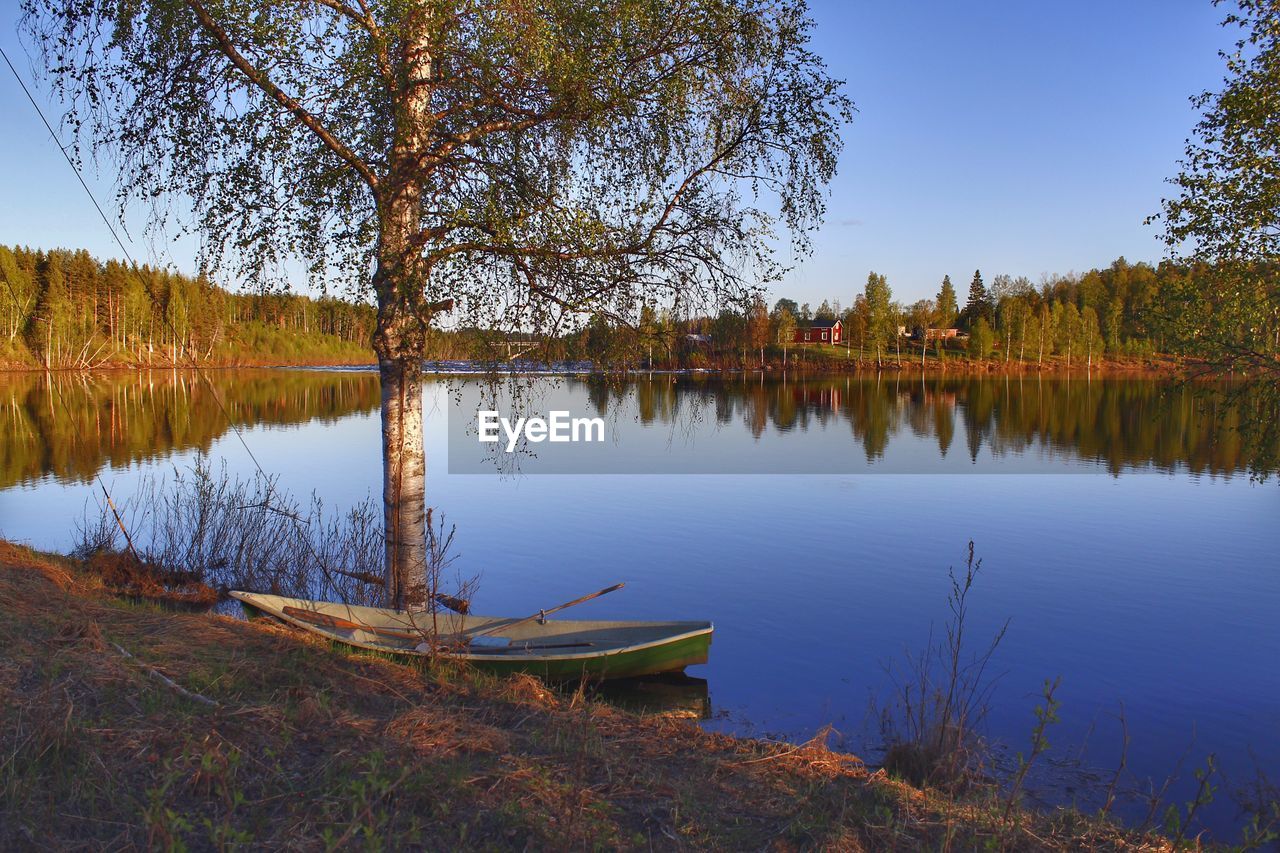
column 65, row 309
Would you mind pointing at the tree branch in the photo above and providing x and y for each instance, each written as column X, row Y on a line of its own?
column 264, row 83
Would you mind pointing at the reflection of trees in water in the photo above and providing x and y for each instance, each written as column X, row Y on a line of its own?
column 1213, row 428
column 72, row 425
column 873, row 410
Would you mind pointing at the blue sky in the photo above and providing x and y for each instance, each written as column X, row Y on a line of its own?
column 1012, row 137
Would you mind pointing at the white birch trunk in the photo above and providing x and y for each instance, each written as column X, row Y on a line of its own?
column 400, row 338
column 404, row 477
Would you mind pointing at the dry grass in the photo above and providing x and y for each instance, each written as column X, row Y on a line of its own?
column 313, row 748
column 127, row 576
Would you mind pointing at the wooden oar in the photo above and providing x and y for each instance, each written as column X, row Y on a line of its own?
column 543, row 614
column 325, row 620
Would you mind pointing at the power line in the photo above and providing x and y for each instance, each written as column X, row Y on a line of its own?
column 54, row 135
column 133, row 266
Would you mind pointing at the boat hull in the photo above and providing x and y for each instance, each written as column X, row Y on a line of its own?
column 672, row 656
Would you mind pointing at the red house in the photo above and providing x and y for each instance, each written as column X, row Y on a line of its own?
column 820, row 332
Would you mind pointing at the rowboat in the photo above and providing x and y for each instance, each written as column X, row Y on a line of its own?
column 558, row 650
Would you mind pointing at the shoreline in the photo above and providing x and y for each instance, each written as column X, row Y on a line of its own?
column 134, row 723
column 1158, row 368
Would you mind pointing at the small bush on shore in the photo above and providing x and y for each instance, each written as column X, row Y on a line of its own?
column 208, row 527
column 931, row 731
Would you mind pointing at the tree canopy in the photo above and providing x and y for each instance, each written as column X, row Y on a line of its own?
column 570, row 157
column 1226, row 211
column 1227, row 207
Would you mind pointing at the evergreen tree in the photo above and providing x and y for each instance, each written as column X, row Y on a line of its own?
column 979, row 304
column 948, row 307
column 18, row 294
column 53, row 313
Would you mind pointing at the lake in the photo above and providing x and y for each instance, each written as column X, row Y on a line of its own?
column 813, row 521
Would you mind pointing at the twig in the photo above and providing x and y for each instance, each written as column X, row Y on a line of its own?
column 1124, row 757
column 782, row 754
column 155, row 673
column 127, row 538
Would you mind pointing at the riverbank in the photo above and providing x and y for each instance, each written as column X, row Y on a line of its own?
column 821, row 359
column 213, row 731
column 250, row 344
column 1156, row 367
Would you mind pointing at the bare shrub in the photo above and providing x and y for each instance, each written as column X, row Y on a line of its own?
column 931, row 731
column 1259, row 806
column 207, row 526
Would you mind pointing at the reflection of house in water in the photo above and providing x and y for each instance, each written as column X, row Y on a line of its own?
column 825, row 398
column 939, row 397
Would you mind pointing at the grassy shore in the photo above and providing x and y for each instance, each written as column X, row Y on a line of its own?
column 257, row 344
column 829, row 358
column 308, row 747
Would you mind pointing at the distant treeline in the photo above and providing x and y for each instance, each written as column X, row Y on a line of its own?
column 1121, row 311
column 64, row 309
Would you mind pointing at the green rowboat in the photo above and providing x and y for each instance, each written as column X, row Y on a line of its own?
column 559, row 649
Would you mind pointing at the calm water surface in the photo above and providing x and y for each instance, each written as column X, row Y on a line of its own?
column 1118, row 525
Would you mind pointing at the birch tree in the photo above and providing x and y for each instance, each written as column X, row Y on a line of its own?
column 758, row 326
column 880, row 317
column 1226, row 209
column 528, row 163
column 785, row 326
